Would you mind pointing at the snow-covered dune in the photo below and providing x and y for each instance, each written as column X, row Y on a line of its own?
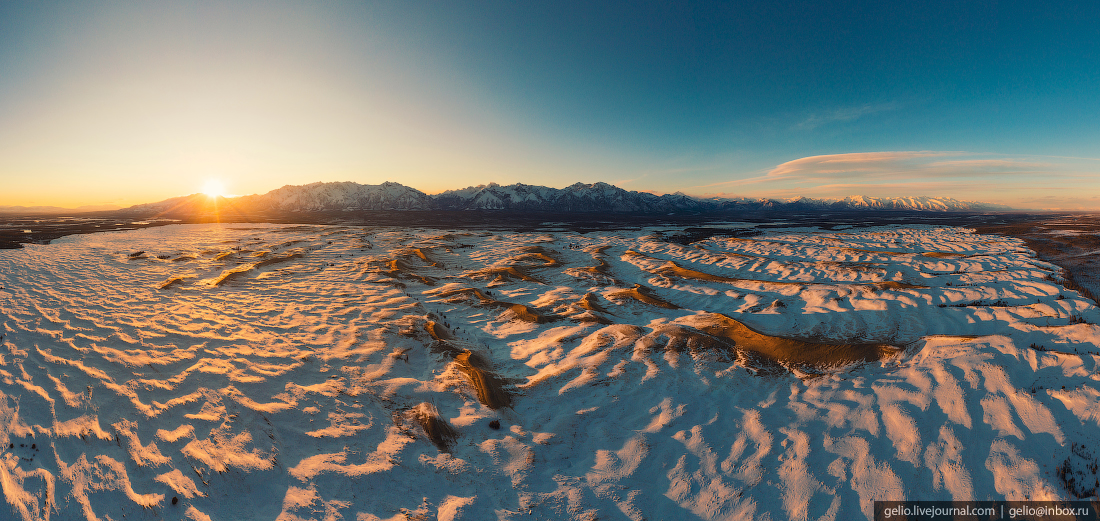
column 323, row 372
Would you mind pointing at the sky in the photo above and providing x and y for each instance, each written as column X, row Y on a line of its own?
column 121, row 103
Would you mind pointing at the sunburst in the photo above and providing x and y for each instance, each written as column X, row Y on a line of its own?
column 214, row 188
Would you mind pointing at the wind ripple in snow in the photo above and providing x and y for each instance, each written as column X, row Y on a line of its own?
column 309, row 372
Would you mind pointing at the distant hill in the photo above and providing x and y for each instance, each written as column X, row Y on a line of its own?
column 579, row 197
column 314, row 197
column 859, row 202
column 55, row 210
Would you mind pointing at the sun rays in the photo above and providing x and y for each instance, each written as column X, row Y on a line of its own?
column 214, row 188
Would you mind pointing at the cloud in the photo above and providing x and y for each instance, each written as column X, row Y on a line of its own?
column 900, row 166
column 845, row 114
column 1023, row 182
column 842, row 190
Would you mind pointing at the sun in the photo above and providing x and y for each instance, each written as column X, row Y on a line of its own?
column 214, row 188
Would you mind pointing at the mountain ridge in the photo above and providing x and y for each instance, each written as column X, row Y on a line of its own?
column 575, row 198
column 52, row 210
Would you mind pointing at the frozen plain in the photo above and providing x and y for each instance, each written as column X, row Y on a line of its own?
column 326, row 372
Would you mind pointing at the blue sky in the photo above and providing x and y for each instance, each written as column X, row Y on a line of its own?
column 122, row 103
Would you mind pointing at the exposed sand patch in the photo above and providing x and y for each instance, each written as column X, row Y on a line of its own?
column 524, row 313
column 800, row 354
column 893, row 284
column 588, row 301
column 278, row 260
column 489, row 387
column 641, row 294
column 671, row 268
column 437, row 331
column 431, row 425
column 418, row 253
column 244, row 270
column 463, row 292
column 547, row 261
column 878, row 252
column 230, row 275
column 789, row 401
column 600, row 272
column 174, row 281
column 590, row 317
column 538, row 253
column 517, row 311
column 424, row 257
column 678, row 339
column 398, row 269
column 502, row 274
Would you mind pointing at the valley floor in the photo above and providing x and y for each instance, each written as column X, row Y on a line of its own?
column 230, row 371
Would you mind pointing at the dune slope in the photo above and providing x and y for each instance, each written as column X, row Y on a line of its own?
column 327, row 372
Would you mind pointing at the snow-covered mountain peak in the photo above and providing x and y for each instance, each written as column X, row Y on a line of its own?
column 577, row 197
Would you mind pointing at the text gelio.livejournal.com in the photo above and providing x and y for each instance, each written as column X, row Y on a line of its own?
column 1023, row 510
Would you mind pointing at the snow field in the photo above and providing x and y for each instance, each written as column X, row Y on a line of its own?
column 322, row 372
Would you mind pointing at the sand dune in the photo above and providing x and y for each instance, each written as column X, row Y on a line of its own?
column 431, row 425
column 399, row 269
column 588, row 301
column 420, row 254
column 318, row 372
column 641, row 294
column 490, row 388
column 599, row 273
column 789, row 352
column 516, row 311
column 537, row 252
column 173, row 281
column 501, row 274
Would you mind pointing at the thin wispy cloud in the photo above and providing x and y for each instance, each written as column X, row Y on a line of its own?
column 901, row 165
column 845, row 114
column 960, row 175
column 842, row 190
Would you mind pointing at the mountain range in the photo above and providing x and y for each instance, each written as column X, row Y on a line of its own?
column 56, row 210
column 579, row 197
